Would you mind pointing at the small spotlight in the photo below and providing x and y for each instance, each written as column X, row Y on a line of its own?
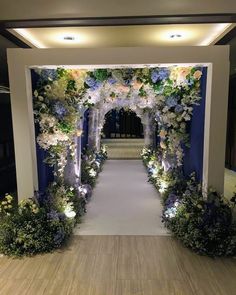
column 69, row 38
column 175, row 36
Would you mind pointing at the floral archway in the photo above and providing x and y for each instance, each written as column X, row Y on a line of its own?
column 165, row 96
column 164, row 99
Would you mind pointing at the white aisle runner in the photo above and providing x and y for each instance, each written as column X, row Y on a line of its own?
column 123, row 203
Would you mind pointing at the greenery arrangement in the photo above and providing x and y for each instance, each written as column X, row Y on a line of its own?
column 203, row 222
column 91, row 165
column 46, row 221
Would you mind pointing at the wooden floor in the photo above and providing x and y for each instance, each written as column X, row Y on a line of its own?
column 119, row 265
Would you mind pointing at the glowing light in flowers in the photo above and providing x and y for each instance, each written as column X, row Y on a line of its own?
column 83, row 190
column 69, row 212
column 163, row 186
column 92, row 172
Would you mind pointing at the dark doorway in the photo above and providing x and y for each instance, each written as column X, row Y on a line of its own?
column 122, row 124
column 230, row 160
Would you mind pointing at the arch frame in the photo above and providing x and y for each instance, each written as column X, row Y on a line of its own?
column 215, row 58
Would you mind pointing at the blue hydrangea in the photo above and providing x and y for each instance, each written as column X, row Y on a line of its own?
column 59, row 109
column 159, row 75
column 111, row 81
column 59, row 237
column 92, row 83
column 53, row 215
column 47, row 74
column 179, row 108
column 171, row 101
column 44, row 198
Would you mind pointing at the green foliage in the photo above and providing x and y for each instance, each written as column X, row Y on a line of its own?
column 66, row 127
column 91, row 165
column 101, row 74
column 28, row 230
column 202, row 223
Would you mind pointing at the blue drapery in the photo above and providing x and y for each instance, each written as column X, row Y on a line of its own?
column 193, row 156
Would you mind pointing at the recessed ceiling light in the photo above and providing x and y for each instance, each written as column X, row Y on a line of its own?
column 175, row 36
column 69, row 38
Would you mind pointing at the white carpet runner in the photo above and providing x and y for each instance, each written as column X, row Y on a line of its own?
column 123, row 203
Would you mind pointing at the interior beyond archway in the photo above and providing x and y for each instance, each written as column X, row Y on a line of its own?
column 122, row 133
column 122, row 123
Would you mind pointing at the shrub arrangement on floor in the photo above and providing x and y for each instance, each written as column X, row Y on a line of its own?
column 91, row 165
column 46, row 221
column 202, row 221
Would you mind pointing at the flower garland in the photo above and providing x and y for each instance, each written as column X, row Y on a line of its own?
column 58, row 103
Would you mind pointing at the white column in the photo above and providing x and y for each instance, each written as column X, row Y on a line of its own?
column 148, row 128
column 92, row 126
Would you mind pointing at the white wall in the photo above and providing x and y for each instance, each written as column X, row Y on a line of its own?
column 216, row 57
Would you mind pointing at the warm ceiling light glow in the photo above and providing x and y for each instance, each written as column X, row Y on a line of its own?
column 26, row 35
column 218, row 30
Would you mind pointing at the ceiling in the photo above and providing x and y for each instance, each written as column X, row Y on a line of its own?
column 121, row 36
column 28, row 9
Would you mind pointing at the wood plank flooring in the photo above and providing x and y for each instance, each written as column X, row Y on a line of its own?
column 119, row 265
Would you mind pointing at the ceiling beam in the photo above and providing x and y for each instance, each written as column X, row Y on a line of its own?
column 12, row 38
column 121, row 21
column 227, row 37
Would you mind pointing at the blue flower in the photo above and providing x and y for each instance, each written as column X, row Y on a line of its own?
column 44, row 198
column 111, row 81
column 154, row 76
column 59, row 109
column 159, row 75
column 53, row 215
column 171, row 101
column 47, row 74
column 59, row 237
column 92, row 83
column 179, row 108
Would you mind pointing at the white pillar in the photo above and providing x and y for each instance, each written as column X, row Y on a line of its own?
column 148, row 128
column 92, row 126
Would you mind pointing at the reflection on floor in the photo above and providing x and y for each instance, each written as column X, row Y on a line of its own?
column 230, row 183
column 125, row 148
column 119, row 265
column 123, row 203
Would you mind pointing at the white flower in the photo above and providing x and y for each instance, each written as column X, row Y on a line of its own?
column 40, row 98
column 36, row 93
column 92, row 172
column 47, row 87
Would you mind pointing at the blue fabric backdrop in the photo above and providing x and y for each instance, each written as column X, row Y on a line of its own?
column 193, row 158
